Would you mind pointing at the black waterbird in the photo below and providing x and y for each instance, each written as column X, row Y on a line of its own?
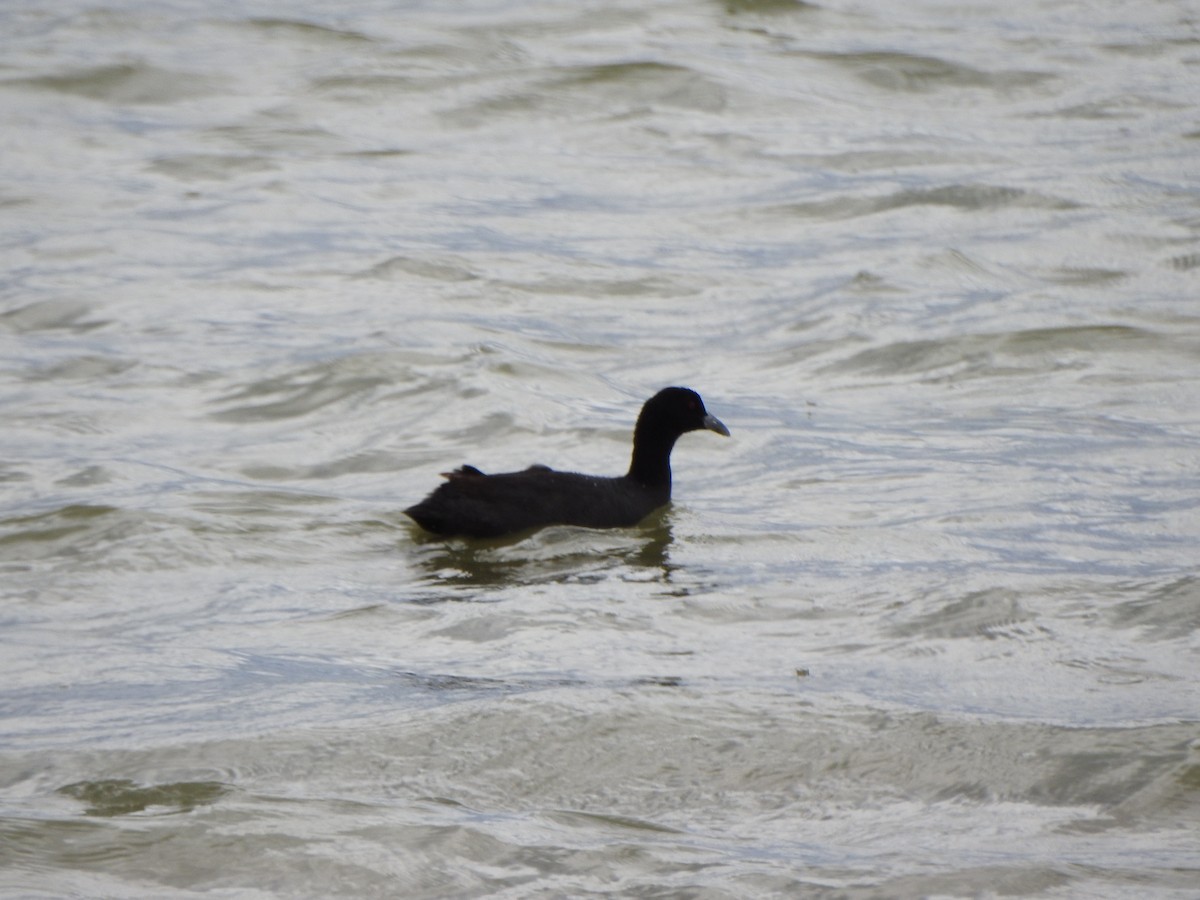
column 472, row 504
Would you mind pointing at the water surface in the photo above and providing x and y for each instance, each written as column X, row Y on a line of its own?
column 925, row 625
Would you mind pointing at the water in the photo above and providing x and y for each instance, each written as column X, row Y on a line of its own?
column 925, row 625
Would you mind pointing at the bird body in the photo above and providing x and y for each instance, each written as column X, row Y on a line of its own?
column 473, row 504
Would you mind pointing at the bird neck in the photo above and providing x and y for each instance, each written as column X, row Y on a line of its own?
column 651, row 462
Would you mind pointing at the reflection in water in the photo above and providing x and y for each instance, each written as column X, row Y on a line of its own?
column 653, row 553
column 558, row 554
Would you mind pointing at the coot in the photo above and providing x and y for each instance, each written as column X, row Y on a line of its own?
column 473, row 504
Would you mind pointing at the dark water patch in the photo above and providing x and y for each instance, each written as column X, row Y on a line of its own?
column 962, row 197
column 247, row 504
column 611, row 90
column 53, row 533
column 1089, row 338
column 132, row 83
column 642, row 289
column 614, row 824
column 355, row 463
column 367, row 87
column 907, row 72
column 644, row 82
column 380, row 153
column 767, row 7
column 49, row 315
column 276, row 132
column 84, row 368
column 13, row 472
column 255, row 669
column 307, row 32
column 1185, row 263
column 1030, row 351
column 400, row 268
column 1027, row 763
column 189, row 167
column 990, row 614
column 101, row 537
column 1165, row 612
column 440, row 682
column 1084, row 277
column 123, row 797
column 297, row 394
column 658, row 681
column 1118, row 107
column 247, row 694
column 1023, row 880
column 867, row 282
column 881, row 160
column 88, row 476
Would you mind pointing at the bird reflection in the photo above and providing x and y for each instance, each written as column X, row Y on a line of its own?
column 556, row 555
column 653, row 551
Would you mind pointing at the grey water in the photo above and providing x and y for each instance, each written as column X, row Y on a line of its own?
column 925, row 625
